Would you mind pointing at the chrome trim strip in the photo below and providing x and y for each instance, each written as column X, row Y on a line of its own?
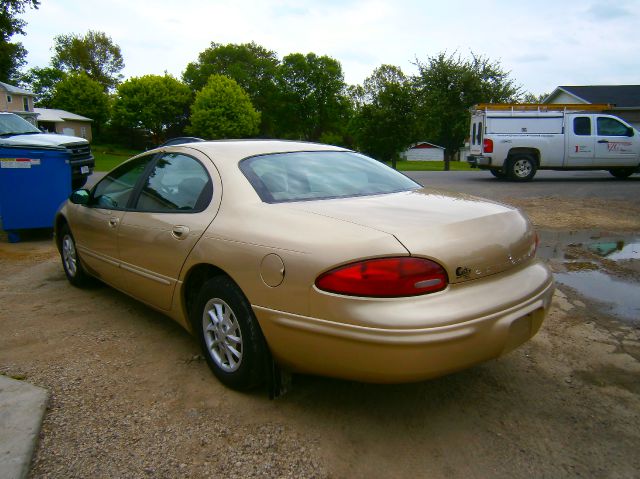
column 146, row 274
column 98, row 256
column 132, row 269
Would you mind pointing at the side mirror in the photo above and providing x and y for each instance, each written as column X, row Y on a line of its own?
column 629, row 132
column 80, row 197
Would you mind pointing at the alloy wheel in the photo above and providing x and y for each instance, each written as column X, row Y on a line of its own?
column 222, row 335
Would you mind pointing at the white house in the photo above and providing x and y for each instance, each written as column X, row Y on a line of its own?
column 624, row 99
column 64, row 122
column 423, row 151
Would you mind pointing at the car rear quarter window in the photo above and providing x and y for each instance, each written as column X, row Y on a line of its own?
column 316, row 175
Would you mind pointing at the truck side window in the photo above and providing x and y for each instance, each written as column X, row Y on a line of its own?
column 582, row 125
column 611, row 127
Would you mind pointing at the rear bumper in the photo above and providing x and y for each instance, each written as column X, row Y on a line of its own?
column 389, row 355
column 478, row 161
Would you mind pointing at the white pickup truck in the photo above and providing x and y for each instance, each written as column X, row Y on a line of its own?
column 514, row 141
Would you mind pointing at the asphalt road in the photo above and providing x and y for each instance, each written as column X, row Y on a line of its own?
column 561, row 184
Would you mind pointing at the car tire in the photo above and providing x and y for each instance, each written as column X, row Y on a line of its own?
column 229, row 335
column 622, row 173
column 521, row 168
column 73, row 269
column 498, row 173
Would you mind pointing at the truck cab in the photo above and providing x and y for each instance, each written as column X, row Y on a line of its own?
column 515, row 142
column 17, row 133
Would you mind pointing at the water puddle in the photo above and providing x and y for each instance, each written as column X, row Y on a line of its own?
column 616, row 251
column 579, row 253
column 621, row 297
column 553, row 244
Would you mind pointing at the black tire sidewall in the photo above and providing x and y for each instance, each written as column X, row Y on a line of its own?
column 622, row 173
column 80, row 279
column 251, row 371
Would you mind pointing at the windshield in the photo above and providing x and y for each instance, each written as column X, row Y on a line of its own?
column 315, row 175
column 14, row 125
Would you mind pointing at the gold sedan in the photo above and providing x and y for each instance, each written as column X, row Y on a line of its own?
column 309, row 258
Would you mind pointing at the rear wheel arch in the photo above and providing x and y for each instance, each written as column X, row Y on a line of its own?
column 233, row 327
column 194, row 280
column 532, row 152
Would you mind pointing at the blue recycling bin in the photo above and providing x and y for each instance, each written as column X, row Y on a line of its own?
column 34, row 182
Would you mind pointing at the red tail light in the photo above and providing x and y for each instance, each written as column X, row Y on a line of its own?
column 487, row 145
column 385, row 278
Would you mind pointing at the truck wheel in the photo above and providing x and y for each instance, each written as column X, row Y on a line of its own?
column 522, row 168
column 622, row 173
column 498, row 173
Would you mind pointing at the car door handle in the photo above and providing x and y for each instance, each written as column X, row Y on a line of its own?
column 603, row 141
column 180, row 232
column 113, row 222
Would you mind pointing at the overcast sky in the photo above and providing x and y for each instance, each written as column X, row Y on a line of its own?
column 543, row 43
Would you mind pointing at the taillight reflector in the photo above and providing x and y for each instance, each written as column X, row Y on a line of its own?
column 487, row 145
column 385, row 278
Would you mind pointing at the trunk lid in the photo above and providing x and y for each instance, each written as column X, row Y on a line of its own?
column 470, row 237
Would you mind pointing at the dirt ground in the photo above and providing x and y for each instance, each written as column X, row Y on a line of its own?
column 131, row 397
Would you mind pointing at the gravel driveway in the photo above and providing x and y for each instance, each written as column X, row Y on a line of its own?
column 131, row 397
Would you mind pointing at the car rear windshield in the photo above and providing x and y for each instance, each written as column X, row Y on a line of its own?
column 317, row 175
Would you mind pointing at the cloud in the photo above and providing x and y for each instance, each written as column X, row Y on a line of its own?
column 608, row 11
column 541, row 50
column 531, row 58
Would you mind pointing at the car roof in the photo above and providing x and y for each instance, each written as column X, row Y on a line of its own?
column 235, row 150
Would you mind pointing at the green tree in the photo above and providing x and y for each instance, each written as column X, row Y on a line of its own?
column 222, row 109
column 42, row 82
column 94, row 54
column 159, row 104
column 533, row 98
column 12, row 55
column 383, row 124
column 80, row 94
column 447, row 86
column 252, row 66
column 312, row 97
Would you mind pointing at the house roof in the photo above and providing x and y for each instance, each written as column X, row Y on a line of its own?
column 424, row 144
column 58, row 116
column 622, row 96
column 15, row 89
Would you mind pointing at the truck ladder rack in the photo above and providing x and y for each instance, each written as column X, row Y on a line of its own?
column 542, row 107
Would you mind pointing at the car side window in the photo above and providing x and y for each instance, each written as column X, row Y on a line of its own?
column 176, row 182
column 611, row 127
column 582, row 125
column 115, row 189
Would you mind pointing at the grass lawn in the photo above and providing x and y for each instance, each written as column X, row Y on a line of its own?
column 110, row 156
column 432, row 166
